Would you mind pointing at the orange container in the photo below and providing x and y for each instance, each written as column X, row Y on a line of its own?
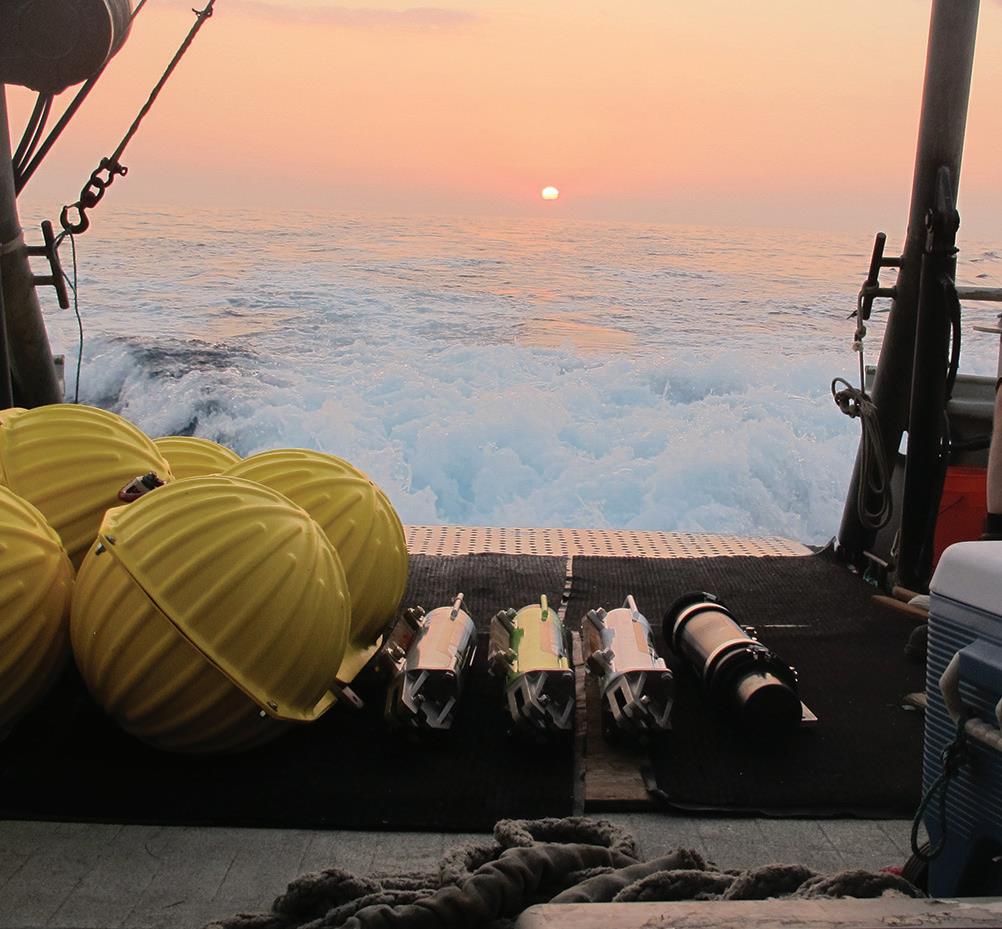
column 962, row 508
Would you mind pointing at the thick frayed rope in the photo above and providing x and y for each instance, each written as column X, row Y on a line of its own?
column 773, row 880
column 676, row 885
column 313, row 895
column 559, row 861
column 604, row 887
column 521, row 833
column 460, row 862
column 857, row 883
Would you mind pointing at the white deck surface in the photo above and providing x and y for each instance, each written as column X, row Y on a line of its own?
column 74, row 875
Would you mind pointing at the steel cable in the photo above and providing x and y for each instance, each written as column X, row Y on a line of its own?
column 32, row 133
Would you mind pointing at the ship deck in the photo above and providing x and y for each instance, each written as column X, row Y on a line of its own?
column 73, row 874
column 79, row 875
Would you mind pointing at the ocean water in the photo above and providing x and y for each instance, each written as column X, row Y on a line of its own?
column 498, row 372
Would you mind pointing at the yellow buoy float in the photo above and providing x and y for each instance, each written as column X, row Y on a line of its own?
column 36, row 581
column 70, row 461
column 208, row 613
column 193, row 456
column 11, row 412
column 362, row 525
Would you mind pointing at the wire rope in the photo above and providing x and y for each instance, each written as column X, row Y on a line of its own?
column 32, row 132
column 72, row 284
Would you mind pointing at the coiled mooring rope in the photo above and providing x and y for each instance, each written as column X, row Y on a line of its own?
column 874, row 500
column 537, row 861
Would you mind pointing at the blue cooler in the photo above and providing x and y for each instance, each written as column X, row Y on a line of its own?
column 965, row 646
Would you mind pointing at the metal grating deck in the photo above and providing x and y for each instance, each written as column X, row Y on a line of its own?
column 614, row 543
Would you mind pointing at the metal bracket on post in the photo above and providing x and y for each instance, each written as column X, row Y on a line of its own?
column 942, row 223
column 871, row 286
column 869, row 290
column 57, row 278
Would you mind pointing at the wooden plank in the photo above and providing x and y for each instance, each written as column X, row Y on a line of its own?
column 918, row 701
column 969, row 913
column 612, row 769
column 904, row 609
column 580, row 720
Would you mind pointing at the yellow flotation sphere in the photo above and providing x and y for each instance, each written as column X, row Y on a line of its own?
column 70, row 461
column 11, row 412
column 36, row 580
column 209, row 614
column 191, row 456
column 361, row 523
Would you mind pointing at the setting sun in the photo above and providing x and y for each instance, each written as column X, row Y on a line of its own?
column 550, row 193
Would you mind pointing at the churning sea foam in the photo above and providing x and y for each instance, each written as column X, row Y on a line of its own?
column 496, row 372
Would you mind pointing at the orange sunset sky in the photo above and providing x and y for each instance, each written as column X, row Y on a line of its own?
column 781, row 112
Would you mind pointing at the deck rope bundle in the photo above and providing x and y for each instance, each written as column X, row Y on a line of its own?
column 571, row 860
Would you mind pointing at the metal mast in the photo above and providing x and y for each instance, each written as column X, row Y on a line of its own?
column 949, row 62
column 32, row 370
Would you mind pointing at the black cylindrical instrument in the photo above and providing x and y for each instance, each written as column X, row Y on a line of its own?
column 739, row 673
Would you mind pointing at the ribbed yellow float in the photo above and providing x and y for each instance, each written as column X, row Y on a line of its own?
column 192, row 456
column 361, row 523
column 209, row 612
column 36, row 580
column 11, row 412
column 70, row 461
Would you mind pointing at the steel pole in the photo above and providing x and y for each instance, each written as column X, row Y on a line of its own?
column 925, row 468
column 950, row 58
column 32, row 370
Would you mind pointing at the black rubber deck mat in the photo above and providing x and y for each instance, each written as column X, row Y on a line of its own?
column 67, row 761
column 863, row 758
column 489, row 582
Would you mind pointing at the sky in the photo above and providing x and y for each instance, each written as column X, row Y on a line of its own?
column 795, row 113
